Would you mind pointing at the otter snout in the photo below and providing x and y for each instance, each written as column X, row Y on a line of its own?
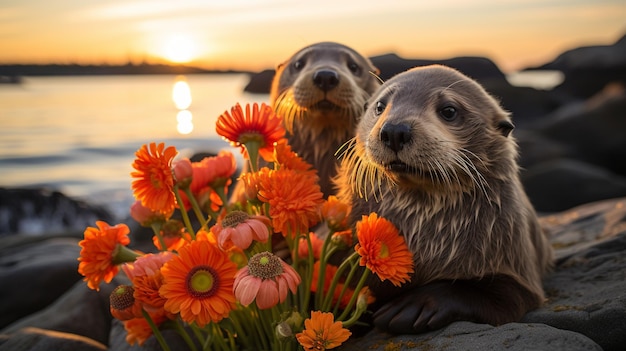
column 325, row 79
column 395, row 136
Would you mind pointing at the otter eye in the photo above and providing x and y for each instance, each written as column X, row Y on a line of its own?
column 380, row 108
column 353, row 67
column 448, row 113
column 298, row 65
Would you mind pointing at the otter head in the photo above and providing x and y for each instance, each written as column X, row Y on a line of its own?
column 431, row 128
column 322, row 89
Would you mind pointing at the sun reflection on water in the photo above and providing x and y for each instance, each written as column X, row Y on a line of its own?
column 181, row 94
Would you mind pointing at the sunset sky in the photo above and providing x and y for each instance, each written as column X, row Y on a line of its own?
column 258, row 34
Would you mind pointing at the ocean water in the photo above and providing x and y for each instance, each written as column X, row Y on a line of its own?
column 78, row 135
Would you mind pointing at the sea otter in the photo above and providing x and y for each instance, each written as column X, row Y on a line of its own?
column 434, row 154
column 320, row 92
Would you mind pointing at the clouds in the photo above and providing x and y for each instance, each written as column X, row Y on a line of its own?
column 260, row 33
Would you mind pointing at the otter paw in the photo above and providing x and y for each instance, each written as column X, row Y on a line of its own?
column 419, row 311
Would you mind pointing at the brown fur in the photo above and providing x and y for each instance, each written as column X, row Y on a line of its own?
column 320, row 92
column 451, row 187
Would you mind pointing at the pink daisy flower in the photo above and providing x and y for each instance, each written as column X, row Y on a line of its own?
column 265, row 279
column 239, row 229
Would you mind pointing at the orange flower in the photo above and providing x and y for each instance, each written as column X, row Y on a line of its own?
column 146, row 216
column 211, row 174
column 322, row 332
column 294, row 197
column 198, row 283
column 138, row 330
column 103, row 248
column 154, row 181
column 335, row 213
column 258, row 125
column 123, row 304
column 251, row 183
column 383, row 250
column 266, row 278
column 343, row 239
column 145, row 274
column 240, row 229
column 316, row 244
column 286, row 158
column 173, row 234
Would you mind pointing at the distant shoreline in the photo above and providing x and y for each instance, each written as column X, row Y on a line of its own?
column 24, row 70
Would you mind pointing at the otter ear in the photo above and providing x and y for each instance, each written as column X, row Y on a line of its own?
column 505, row 127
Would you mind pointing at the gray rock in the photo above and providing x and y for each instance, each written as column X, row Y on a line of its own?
column 586, row 291
column 467, row 336
column 34, row 272
column 39, row 210
column 80, row 311
column 35, row 339
column 562, row 183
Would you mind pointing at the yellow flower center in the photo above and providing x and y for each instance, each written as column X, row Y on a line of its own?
column 384, row 251
column 265, row 265
column 234, row 218
column 202, row 281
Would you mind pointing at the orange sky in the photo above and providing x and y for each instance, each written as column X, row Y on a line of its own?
column 258, row 34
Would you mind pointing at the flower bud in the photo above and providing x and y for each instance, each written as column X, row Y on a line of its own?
column 183, row 172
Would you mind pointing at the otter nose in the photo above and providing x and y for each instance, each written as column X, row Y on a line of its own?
column 395, row 136
column 326, row 79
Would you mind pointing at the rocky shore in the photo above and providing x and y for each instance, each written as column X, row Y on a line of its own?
column 573, row 151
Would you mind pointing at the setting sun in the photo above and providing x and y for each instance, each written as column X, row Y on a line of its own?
column 179, row 48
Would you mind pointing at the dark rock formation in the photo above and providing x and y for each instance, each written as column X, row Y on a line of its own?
column 260, row 83
column 590, row 68
column 32, row 211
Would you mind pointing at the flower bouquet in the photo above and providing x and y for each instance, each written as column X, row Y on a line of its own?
column 251, row 275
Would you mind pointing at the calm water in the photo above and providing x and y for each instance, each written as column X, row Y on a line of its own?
column 79, row 134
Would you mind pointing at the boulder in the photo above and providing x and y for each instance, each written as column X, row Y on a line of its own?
column 562, row 183
column 34, row 272
column 39, row 210
column 588, row 69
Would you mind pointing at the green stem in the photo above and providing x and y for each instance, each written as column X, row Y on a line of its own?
column 196, row 207
column 309, row 273
column 183, row 333
column 183, row 213
column 325, row 255
column 358, row 288
column 156, row 228
column 329, row 298
column 122, row 254
column 155, row 331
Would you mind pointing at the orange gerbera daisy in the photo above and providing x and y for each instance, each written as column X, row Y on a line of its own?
column 265, row 279
column 198, row 283
column 383, row 250
column 211, row 174
column 154, row 180
column 294, row 197
column 258, row 128
column 103, row 248
column 240, row 229
column 322, row 332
